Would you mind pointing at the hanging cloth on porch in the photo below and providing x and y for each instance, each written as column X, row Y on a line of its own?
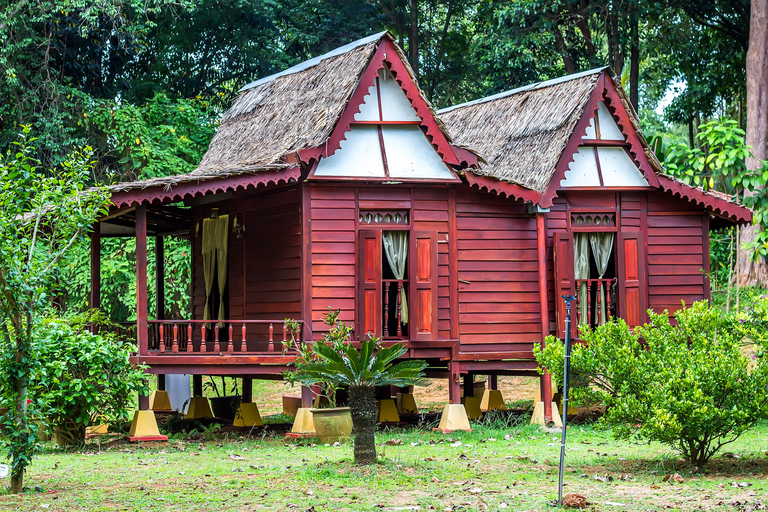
column 602, row 244
column 581, row 271
column 396, row 249
column 215, row 251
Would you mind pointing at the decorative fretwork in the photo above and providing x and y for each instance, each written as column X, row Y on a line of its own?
column 384, row 218
column 594, row 221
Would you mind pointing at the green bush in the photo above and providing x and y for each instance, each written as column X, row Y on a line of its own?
column 82, row 375
column 689, row 386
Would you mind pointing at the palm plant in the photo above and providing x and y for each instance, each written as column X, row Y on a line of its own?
column 334, row 362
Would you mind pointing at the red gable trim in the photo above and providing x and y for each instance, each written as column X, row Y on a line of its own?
column 502, row 188
column 172, row 193
column 604, row 90
column 386, row 56
column 716, row 205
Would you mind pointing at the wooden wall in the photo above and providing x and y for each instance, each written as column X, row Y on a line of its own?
column 497, row 272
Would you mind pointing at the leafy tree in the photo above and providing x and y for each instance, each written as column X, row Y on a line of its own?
column 43, row 212
column 688, row 385
column 334, row 361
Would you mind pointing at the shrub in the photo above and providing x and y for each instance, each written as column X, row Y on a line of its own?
column 688, row 386
column 82, row 375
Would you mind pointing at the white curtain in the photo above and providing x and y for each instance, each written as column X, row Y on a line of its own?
column 602, row 244
column 215, row 253
column 396, row 249
column 581, row 271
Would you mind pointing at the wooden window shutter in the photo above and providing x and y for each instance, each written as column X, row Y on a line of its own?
column 632, row 281
column 423, row 286
column 369, row 274
column 564, row 282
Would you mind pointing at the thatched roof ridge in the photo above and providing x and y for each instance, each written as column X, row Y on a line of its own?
column 522, row 133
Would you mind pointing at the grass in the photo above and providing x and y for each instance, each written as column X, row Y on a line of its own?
column 501, row 462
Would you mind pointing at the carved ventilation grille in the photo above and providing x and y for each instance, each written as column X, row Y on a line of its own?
column 384, row 218
column 593, row 220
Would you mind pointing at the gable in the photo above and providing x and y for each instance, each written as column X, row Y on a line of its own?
column 387, row 130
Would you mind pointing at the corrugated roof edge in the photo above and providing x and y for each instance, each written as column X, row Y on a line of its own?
column 317, row 60
column 530, row 87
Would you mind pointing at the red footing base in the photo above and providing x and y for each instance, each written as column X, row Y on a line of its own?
column 134, row 439
column 295, row 435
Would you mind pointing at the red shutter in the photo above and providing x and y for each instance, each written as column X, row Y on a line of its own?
column 423, row 286
column 369, row 273
column 564, row 283
column 632, row 281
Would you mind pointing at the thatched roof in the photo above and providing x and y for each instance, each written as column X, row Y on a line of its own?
column 522, row 133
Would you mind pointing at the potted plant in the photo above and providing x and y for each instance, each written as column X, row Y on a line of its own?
column 223, row 405
column 334, row 362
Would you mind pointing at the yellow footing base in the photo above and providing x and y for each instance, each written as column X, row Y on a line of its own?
column 95, row 430
column 291, row 404
column 538, row 415
column 303, row 424
column 160, row 401
column 199, row 408
column 492, row 401
column 454, row 418
column 387, row 411
column 406, row 404
column 247, row 415
column 472, row 406
column 144, row 428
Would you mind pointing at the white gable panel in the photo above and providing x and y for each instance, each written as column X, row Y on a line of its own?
column 394, row 104
column 618, row 169
column 359, row 155
column 591, row 134
column 369, row 109
column 583, row 170
column 410, row 155
column 608, row 128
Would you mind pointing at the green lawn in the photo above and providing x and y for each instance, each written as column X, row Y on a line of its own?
column 512, row 468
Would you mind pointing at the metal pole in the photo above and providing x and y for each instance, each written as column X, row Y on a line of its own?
column 566, row 372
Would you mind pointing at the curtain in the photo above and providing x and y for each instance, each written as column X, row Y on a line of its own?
column 396, row 249
column 602, row 244
column 581, row 271
column 215, row 251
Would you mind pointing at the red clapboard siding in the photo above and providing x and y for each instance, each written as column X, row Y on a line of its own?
column 497, row 271
column 676, row 252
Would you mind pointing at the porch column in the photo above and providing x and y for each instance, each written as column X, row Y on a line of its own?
column 160, row 291
column 96, row 266
column 142, row 336
column 545, row 382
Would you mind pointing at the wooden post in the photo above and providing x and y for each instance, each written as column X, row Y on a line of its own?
column 493, row 382
column 142, row 336
column 469, row 385
column 161, row 382
column 197, row 385
column 454, row 384
column 96, row 266
column 306, row 396
column 160, row 277
column 541, row 243
column 247, row 389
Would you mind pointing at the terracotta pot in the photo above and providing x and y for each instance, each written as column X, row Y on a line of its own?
column 332, row 425
column 225, row 406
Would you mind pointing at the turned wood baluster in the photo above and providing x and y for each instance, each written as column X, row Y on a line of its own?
column 189, row 338
column 243, row 346
column 607, row 300
column 589, row 302
column 203, row 341
column 162, row 341
column 271, row 344
column 175, row 347
column 216, row 347
column 231, row 345
column 386, row 309
column 285, row 334
column 399, row 311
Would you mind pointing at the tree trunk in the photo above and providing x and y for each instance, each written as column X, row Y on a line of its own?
column 756, row 273
column 362, row 405
column 20, row 382
column 413, row 36
column 634, row 62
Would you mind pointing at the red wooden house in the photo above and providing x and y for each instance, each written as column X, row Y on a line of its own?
column 335, row 184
